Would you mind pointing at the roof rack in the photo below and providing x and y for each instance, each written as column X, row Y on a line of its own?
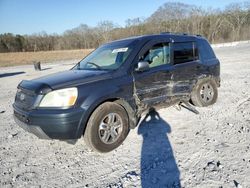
column 173, row 33
column 162, row 33
column 178, row 33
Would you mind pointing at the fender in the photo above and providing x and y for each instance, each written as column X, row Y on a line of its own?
column 101, row 95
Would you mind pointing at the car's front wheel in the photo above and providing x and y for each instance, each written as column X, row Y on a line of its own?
column 204, row 93
column 107, row 127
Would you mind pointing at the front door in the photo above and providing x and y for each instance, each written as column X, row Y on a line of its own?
column 155, row 86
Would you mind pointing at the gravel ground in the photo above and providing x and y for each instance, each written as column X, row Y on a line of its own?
column 168, row 149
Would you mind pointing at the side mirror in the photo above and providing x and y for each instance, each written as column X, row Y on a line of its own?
column 142, row 66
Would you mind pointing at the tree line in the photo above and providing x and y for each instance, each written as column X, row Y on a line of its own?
column 229, row 24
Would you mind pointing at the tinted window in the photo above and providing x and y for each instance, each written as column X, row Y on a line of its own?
column 157, row 55
column 206, row 50
column 184, row 52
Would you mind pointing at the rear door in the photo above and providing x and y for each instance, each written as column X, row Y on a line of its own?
column 185, row 66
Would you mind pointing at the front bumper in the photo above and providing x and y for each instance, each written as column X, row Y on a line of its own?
column 63, row 124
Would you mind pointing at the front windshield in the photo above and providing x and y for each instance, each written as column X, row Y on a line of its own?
column 107, row 57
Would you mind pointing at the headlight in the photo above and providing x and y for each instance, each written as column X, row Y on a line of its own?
column 60, row 98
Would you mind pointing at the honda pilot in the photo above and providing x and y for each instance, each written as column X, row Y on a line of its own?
column 104, row 95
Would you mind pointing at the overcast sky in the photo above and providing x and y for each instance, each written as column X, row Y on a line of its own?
column 56, row 16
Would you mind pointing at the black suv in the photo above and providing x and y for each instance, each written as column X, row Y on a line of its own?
column 105, row 94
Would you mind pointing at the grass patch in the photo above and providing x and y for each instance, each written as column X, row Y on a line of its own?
column 23, row 58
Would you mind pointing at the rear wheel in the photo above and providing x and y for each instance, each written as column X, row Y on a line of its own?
column 205, row 93
column 107, row 127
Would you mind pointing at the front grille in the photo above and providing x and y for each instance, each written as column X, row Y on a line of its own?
column 25, row 99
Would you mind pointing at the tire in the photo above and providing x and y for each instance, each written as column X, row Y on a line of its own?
column 204, row 93
column 107, row 128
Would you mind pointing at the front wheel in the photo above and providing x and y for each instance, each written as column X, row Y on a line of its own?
column 107, row 127
column 205, row 93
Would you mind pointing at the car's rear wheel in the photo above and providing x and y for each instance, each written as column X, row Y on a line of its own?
column 204, row 93
column 107, row 127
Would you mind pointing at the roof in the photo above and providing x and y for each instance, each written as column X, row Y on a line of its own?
column 173, row 36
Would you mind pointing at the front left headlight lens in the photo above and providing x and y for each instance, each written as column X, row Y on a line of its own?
column 60, row 98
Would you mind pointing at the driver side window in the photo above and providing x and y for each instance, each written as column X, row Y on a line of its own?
column 157, row 55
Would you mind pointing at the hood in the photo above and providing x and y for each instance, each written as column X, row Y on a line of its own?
column 66, row 79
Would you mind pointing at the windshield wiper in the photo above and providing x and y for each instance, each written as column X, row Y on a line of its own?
column 89, row 68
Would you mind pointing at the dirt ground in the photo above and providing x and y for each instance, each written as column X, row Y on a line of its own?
column 211, row 149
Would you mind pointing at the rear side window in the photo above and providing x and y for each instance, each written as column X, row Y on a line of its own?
column 206, row 51
column 184, row 52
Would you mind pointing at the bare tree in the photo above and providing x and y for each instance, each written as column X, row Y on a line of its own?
column 231, row 24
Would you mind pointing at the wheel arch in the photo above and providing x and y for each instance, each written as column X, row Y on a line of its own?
column 90, row 109
column 201, row 78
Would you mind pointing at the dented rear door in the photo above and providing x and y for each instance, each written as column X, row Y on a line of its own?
column 186, row 67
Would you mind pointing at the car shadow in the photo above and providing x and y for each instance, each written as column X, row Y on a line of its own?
column 158, row 164
column 10, row 74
